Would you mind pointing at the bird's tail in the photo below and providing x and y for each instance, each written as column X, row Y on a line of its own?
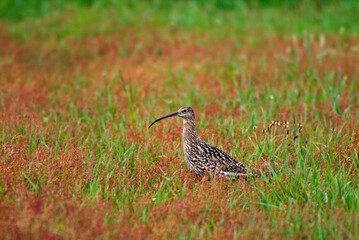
column 236, row 175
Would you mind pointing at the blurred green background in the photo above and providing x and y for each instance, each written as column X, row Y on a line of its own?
column 287, row 16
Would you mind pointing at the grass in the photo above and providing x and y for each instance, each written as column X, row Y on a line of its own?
column 79, row 90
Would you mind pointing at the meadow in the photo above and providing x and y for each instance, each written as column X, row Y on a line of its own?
column 80, row 81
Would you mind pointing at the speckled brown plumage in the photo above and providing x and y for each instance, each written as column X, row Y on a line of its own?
column 200, row 156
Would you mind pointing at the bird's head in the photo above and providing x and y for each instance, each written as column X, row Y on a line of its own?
column 184, row 112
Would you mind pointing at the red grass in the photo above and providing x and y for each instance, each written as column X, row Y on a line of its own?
column 39, row 79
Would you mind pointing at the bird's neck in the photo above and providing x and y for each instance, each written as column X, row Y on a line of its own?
column 189, row 130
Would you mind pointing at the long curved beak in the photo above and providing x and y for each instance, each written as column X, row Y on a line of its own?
column 167, row 116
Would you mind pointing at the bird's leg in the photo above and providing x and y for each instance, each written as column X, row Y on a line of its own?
column 206, row 175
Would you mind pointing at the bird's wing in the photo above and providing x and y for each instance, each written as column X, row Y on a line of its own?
column 221, row 158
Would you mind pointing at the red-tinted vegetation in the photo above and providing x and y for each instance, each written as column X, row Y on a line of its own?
column 77, row 160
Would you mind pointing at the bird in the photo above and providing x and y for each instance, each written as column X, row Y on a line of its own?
column 201, row 157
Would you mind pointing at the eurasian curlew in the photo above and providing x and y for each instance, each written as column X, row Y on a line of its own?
column 200, row 156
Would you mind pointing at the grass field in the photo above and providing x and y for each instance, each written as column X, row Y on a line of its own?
column 81, row 81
